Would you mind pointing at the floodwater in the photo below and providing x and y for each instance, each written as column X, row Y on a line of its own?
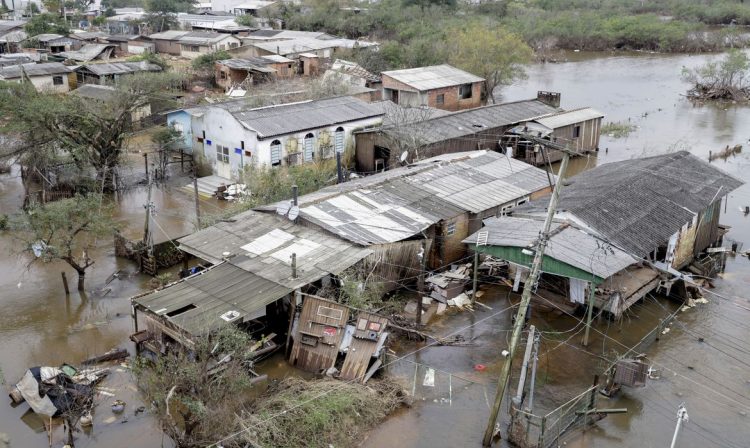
column 40, row 325
column 703, row 361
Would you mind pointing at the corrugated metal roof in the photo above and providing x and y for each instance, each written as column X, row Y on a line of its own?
column 119, row 68
column 7, row 25
column 257, row 64
column 262, row 244
column 203, row 37
column 305, row 44
column 289, row 118
column 567, row 118
column 569, row 245
column 14, row 36
column 433, row 77
column 87, row 52
column 639, row 204
column 48, row 37
column 47, row 68
column 94, row 91
column 209, row 295
column 168, row 35
column 400, row 203
column 473, row 121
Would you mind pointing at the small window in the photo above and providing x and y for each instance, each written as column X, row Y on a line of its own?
column 338, row 138
column 441, row 99
column 222, row 154
column 576, row 131
column 465, row 91
column 330, row 313
column 57, row 80
column 275, row 153
column 222, row 75
column 451, row 229
column 308, row 145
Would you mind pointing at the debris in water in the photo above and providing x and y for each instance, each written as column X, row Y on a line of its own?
column 118, row 406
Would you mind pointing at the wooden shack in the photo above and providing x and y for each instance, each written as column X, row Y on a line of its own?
column 367, row 336
column 318, row 335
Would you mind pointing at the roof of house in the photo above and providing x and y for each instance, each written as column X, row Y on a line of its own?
column 87, row 35
column 122, row 37
column 94, row 91
column 639, row 204
column 6, row 60
column 87, row 52
column 354, row 69
column 256, row 64
column 14, row 36
column 400, row 203
column 567, row 244
column 45, row 69
column 257, row 4
column 569, row 117
column 306, row 44
column 120, row 68
column 472, row 121
column 202, row 37
column 168, row 35
column 432, row 77
column 48, row 37
column 277, row 58
column 8, row 25
column 289, row 118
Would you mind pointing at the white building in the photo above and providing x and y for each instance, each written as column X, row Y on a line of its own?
column 52, row 77
column 233, row 135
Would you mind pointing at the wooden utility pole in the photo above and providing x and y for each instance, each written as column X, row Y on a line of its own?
column 589, row 313
column 526, row 298
column 420, row 282
column 197, row 198
column 481, row 241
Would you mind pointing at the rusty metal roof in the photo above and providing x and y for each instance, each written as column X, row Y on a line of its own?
column 433, row 77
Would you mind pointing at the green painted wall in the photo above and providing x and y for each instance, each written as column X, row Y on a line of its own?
column 549, row 264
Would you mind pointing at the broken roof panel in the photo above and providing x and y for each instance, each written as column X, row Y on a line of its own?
column 433, row 77
column 567, row 244
column 639, row 204
column 89, row 52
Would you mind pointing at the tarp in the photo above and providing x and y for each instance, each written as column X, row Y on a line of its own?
column 29, row 388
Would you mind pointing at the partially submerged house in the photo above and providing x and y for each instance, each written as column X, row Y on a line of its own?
column 52, row 77
column 578, row 129
column 439, row 86
column 250, row 71
column 664, row 209
column 427, row 134
column 251, row 282
column 109, row 73
column 234, row 134
column 576, row 265
column 437, row 202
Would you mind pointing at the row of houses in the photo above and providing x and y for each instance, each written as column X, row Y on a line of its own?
column 266, row 266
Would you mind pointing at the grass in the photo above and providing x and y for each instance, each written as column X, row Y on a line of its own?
column 320, row 413
column 617, row 129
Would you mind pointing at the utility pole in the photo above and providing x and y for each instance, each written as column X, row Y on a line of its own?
column 589, row 313
column 682, row 416
column 481, row 241
column 527, row 290
column 197, row 198
column 148, row 238
column 339, row 169
column 422, row 255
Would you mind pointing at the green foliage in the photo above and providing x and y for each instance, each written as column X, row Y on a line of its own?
column 46, row 23
column 246, row 20
column 359, row 291
column 3, row 222
column 152, row 58
column 617, row 129
column 206, row 61
column 727, row 78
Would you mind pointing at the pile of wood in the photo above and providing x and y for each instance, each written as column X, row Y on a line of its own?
column 450, row 284
column 725, row 153
column 705, row 92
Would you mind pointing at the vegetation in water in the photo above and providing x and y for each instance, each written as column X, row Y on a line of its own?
column 727, row 78
column 319, row 413
column 617, row 129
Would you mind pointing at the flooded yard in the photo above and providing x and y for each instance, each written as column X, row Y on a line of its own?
column 703, row 360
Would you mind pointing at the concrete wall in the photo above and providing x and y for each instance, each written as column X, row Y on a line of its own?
column 408, row 96
column 46, row 83
column 224, row 44
column 182, row 121
column 167, row 47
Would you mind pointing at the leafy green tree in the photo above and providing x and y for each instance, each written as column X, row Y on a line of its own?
column 162, row 14
column 206, row 61
column 46, row 23
column 493, row 53
column 727, row 78
column 90, row 132
column 246, row 20
column 63, row 229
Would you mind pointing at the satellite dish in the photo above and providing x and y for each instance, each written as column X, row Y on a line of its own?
column 293, row 213
column 404, row 156
column 283, row 208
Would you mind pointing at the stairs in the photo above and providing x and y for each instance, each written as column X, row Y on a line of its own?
column 208, row 186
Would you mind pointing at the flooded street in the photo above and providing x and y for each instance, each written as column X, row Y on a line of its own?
column 704, row 360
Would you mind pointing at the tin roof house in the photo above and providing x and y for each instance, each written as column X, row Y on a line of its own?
column 234, row 133
column 439, row 86
column 52, row 77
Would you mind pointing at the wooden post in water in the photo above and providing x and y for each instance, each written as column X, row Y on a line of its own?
column 65, row 283
column 145, row 162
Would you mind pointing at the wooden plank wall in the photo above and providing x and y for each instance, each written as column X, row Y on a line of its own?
column 312, row 325
column 361, row 350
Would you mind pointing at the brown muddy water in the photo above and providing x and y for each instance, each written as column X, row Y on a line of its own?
column 39, row 325
column 712, row 377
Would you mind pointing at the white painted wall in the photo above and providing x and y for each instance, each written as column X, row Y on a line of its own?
column 46, row 83
column 224, row 44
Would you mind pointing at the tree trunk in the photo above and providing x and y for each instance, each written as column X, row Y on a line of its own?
column 81, row 278
column 71, row 440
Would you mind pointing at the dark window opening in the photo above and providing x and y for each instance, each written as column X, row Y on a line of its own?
column 179, row 311
column 57, row 80
column 465, row 91
column 576, row 131
column 441, row 99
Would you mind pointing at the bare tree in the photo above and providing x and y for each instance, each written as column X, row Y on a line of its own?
column 406, row 129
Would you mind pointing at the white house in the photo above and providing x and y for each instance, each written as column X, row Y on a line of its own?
column 233, row 135
column 196, row 43
column 52, row 77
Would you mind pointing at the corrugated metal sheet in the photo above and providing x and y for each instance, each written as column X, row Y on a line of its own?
column 289, row 118
column 638, row 204
column 87, row 52
column 202, row 37
column 433, row 77
column 119, row 68
column 257, row 64
column 568, row 118
column 168, row 35
column 209, row 295
column 401, row 203
column 48, row 68
column 569, row 245
column 261, row 243
column 474, row 121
